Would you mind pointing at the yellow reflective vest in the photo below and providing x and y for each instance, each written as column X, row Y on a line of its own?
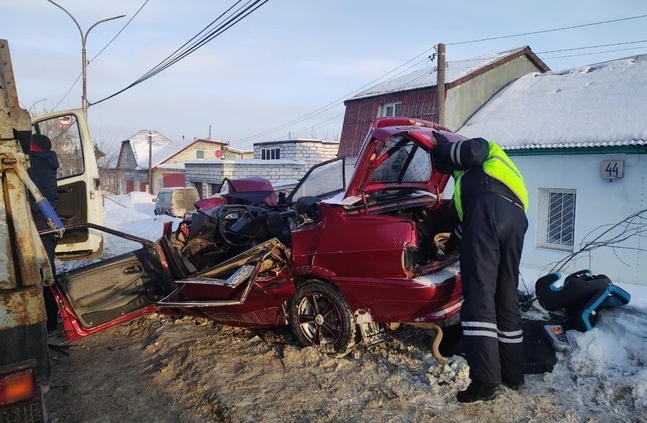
column 499, row 166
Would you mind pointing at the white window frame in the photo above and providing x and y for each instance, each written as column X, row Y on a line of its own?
column 564, row 220
column 270, row 153
column 199, row 153
column 396, row 107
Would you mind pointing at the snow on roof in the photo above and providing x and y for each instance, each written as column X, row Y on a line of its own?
column 424, row 78
column 591, row 106
column 162, row 148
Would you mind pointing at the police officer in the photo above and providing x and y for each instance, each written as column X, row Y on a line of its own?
column 491, row 201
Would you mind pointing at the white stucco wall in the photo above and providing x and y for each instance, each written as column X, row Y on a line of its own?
column 599, row 204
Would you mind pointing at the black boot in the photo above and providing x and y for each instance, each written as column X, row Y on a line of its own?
column 480, row 391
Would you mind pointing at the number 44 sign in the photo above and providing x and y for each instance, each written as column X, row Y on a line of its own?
column 612, row 169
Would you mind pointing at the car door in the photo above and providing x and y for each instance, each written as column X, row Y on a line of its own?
column 79, row 189
column 109, row 292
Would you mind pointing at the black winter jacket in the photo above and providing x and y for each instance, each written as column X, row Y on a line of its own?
column 43, row 172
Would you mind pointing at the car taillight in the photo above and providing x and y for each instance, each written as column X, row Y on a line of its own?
column 168, row 228
column 16, row 387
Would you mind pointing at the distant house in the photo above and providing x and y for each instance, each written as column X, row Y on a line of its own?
column 281, row 162
column 309, row 151
column 579, row 137
column 231, row 153
column 469, row 84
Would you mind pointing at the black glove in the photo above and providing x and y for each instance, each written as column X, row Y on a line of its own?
column 441, row 157
column 452, row 246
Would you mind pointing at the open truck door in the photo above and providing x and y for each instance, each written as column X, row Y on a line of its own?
column 79, row 188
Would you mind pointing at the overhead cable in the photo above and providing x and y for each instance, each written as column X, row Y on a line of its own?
column 334, row 103
column 547, row 30
column 232, row 20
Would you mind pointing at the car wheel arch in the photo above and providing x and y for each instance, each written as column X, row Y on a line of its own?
column 342, row 336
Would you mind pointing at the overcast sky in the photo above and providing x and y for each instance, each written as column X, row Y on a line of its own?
column 286, row 60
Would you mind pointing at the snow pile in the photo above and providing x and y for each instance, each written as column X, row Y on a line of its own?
column 604, row 377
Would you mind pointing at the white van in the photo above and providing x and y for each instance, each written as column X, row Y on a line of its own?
column 176, row 201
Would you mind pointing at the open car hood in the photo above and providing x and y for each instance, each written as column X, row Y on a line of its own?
column 396, row 155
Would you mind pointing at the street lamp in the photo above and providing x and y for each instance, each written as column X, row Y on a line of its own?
column 35, row 103
column 84, row 64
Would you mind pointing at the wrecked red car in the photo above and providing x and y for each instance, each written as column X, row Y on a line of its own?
column 333, row 260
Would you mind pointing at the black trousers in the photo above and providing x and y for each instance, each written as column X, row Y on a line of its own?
column 493, row 230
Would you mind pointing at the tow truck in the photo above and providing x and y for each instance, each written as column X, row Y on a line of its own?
column 24, row 267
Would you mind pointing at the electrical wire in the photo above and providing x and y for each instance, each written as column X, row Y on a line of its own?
column 170, row 56
column 335, row 102
column 337, row 117
column 238, row 15
column 315, row 112
column 595, row 52
column 501, row 37
column 566, row 49
column 120, row 31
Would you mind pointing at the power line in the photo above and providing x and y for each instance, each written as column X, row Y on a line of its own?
column 337, row 117
column 547, row 30
column 120, row 31
column 97, row 55
column 314, row 113
column 336, row 103
column 170, row 56
column 595, row 52
column 589, row 47
column 238, row 15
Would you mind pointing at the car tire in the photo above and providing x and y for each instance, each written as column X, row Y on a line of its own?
column 320, row 316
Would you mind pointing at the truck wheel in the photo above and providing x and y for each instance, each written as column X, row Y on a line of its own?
column 320, row 316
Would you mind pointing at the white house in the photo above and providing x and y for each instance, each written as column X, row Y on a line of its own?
column 579, row 137
column 281, row 162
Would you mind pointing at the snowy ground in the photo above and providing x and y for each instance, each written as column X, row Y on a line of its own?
column 163, row 370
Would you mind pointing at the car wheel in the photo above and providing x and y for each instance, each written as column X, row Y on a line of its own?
column 320, row 316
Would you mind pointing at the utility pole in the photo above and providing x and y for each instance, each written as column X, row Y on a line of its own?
column 150, row 162
column 84, row 62
column 440, row 84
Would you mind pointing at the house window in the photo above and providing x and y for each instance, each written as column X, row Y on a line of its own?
column 556, row 218
column 390, row 109
column 270, row 153
column 199, row 154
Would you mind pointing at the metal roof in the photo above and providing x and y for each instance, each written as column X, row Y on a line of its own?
column 425, row 78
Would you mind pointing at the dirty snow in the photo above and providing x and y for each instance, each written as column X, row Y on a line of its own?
column 161, row 369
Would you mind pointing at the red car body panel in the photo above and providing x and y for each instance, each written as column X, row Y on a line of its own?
column 262, row 308
column 369, row 269
column 250, row 184
column 359, row 242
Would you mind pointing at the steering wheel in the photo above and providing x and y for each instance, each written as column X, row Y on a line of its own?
column 232, row 220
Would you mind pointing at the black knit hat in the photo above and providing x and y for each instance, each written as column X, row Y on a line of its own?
column 40, row 142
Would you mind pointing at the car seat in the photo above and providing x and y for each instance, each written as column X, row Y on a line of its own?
column 581, row 296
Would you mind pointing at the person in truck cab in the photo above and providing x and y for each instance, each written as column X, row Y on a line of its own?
column 491, row 201
column 44, row 164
